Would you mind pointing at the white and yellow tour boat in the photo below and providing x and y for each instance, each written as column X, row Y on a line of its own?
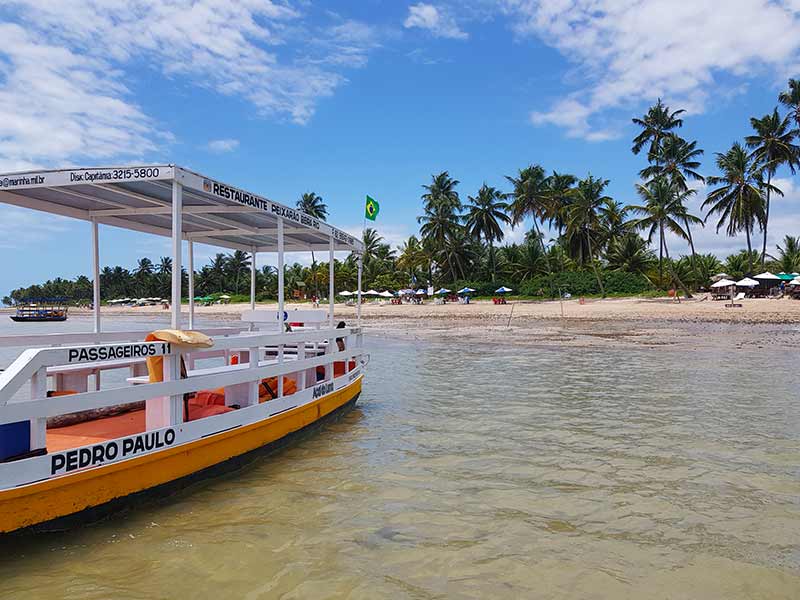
column 90, row 421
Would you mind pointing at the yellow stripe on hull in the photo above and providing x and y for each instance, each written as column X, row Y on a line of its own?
column 62, row 496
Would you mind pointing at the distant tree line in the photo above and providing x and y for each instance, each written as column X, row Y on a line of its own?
column 460, row 239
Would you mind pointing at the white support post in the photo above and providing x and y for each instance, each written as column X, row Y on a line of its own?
column 281, row 327
column 358, row 300
column 253, row 279
column 190, row 268
column 166, row 410
column 280, row 275
column 177, row 227
column 38, row 439
column 331, row 287
column 252, row 387
column 96, row 276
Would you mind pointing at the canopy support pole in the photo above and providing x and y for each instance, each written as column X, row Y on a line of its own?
column 190, row 268
column 280, row 278
column 358, row 301
column 177, row 227
column 96, row 275
column 253, row 279
column 331, row 288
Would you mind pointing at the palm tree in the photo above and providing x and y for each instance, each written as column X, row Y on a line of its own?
column 313, row 206
column 656, row 124
column 524, row 261
column 789, row 254
column 630, row 253
column 772, row 147
column 560, row 187
column 663, row 210
column 677, row 161
column 484, row 215
column 741, row 263
column 372, row 242
column 164, row 266
column 705, row 267
column 531, row 196
column 218, row 267
column 411, row 257
column 615, row 225
column 791, row 100
column 144, row 266
column 584, row 223
column 739, row 199
column 456, row 255
column 441, row 193
column 236, row 264
column 438, row 224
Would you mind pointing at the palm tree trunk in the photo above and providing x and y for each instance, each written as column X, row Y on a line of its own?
column 749, row 248
column 691, row 241
column 766, row 222
column 594, row 266
column 672, row 273
column 491, row 258
column 314, row 274
column 660, row 254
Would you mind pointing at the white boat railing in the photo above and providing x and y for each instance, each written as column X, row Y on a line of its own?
column 164, row 400
column 64, row 339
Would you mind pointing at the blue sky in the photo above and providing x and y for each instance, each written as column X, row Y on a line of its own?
column 370, row 96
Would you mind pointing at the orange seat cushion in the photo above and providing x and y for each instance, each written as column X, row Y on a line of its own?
column 289, row 387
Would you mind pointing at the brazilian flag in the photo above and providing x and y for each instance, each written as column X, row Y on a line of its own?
column 372, row 209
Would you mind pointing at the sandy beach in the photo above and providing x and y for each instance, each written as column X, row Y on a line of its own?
column 649, row 322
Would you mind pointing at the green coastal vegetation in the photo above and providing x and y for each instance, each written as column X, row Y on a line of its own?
column 597, row 245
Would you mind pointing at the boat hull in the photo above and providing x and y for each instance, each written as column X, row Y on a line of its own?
column 37, row 319
column 88, row 495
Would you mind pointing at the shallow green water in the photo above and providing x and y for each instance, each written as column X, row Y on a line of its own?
column 477, row 472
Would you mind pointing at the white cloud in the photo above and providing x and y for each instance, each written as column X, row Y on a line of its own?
column 629, row 52
column 66, row 68
column 435, row 20
column 220, row 146
column 56, row 103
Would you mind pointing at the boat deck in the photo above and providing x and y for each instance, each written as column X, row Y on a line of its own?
column 95, row 431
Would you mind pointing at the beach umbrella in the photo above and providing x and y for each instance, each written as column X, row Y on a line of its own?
column 370, row 293
column 503, row 290
column 345, row 293
column 225, row 297
column 465, row 290
column 785, row 276
column 795, row 281
column 723, row 283
column 443, row 291
column 767, row 276
column 421, row 292
column 719, row 276
column 406, row 292
column 386, row 294
column 747, row 282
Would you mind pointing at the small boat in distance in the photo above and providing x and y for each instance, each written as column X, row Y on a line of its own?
column 40, row 310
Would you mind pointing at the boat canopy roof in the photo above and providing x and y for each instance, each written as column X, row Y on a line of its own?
column 140, row 198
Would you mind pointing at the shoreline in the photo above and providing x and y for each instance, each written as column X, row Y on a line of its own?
column 632, row 309
column 619, row 322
